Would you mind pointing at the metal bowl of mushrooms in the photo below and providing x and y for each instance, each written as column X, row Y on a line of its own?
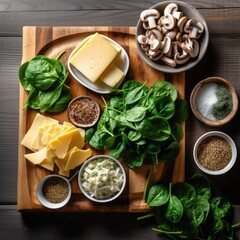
column 172, row 36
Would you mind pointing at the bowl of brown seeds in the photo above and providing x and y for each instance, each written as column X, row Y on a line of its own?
column 215, row 153
column 54, row 191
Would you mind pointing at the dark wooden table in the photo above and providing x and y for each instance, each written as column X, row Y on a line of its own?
column 222, row 59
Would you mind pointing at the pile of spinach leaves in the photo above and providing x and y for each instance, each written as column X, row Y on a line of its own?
column 187, row 210
column 44, row 79
column 141, row 124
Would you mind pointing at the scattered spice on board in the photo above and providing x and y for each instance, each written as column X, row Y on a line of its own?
column 83, row 111
column 55, row 190
column 214, row 101
column 214, row 153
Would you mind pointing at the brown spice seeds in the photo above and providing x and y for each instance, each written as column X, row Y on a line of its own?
column 214, row 153
column 55, row 190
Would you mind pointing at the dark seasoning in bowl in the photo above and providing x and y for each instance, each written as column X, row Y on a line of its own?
column 83, row 111
column 55, row 190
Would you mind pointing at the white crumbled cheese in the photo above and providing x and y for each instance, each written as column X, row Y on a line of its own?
column 102, row 178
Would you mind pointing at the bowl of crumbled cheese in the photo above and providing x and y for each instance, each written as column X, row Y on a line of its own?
column 102, row 178
column 214, row 101
column 215, row 153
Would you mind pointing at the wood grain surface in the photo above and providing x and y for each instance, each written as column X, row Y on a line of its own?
column 50, row 41
column 222, row 59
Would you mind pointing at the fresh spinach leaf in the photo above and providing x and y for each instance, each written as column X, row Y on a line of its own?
column 155, row 128
column 174, row 211
column 170, row 152
column 136, row 114
column 21, row 74
column 186, row 193
column 181, row 111
column 62, row 102
column 158, row 195
column 201, row 186
column 41, row 74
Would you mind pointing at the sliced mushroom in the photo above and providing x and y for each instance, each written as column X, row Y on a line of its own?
column 190, row 46
column 166, row 45
column 181, row 23
column 156, row 58
column 175, row 47
column 154, row 34
column 179, row 37
column 169, row 61
column 172, row 9
column 181, row 58
column 194, row 28
column 172, row 34
column 195, row 50
column 167, row 21
column 145, row 47
column 153, row 44
column 155, row 55
column 149, row 18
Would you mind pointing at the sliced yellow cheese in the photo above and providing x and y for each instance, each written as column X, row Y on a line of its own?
column 82, row 132
column 53, row 143
column 60, row 146
column 94, row 57
column 60, row 165
column 31, row 134
column 76, row 157
column 66, row 141
column 48, row 164
column 77, row 139
column 112, row 75
column 50, row 132
column 39, row 156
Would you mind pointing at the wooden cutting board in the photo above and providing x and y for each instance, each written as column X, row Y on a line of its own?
column 50, row 41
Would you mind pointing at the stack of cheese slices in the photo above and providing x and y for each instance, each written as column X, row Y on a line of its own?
column 53, row 143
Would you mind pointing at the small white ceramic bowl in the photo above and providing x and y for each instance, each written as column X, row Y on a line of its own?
column 81, row 180
column 216, row 134
column 41, row 197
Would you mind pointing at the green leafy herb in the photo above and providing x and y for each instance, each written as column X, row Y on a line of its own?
column 141, row 124
column 44, row 78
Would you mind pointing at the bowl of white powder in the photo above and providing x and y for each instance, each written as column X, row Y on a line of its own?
column 214, row 101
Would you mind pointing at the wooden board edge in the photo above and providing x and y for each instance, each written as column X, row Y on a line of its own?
column 28, row 48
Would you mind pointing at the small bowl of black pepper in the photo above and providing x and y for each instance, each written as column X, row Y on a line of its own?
column 84, row 111
column 215, row 153
column 54, row 191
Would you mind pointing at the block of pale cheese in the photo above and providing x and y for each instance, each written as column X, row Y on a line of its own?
column 93, row 58
column 112, row 75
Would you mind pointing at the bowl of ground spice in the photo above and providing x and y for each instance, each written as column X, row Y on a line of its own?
column 215, row 153
column 214, row 101
column 83, row 111
column 54, row 191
